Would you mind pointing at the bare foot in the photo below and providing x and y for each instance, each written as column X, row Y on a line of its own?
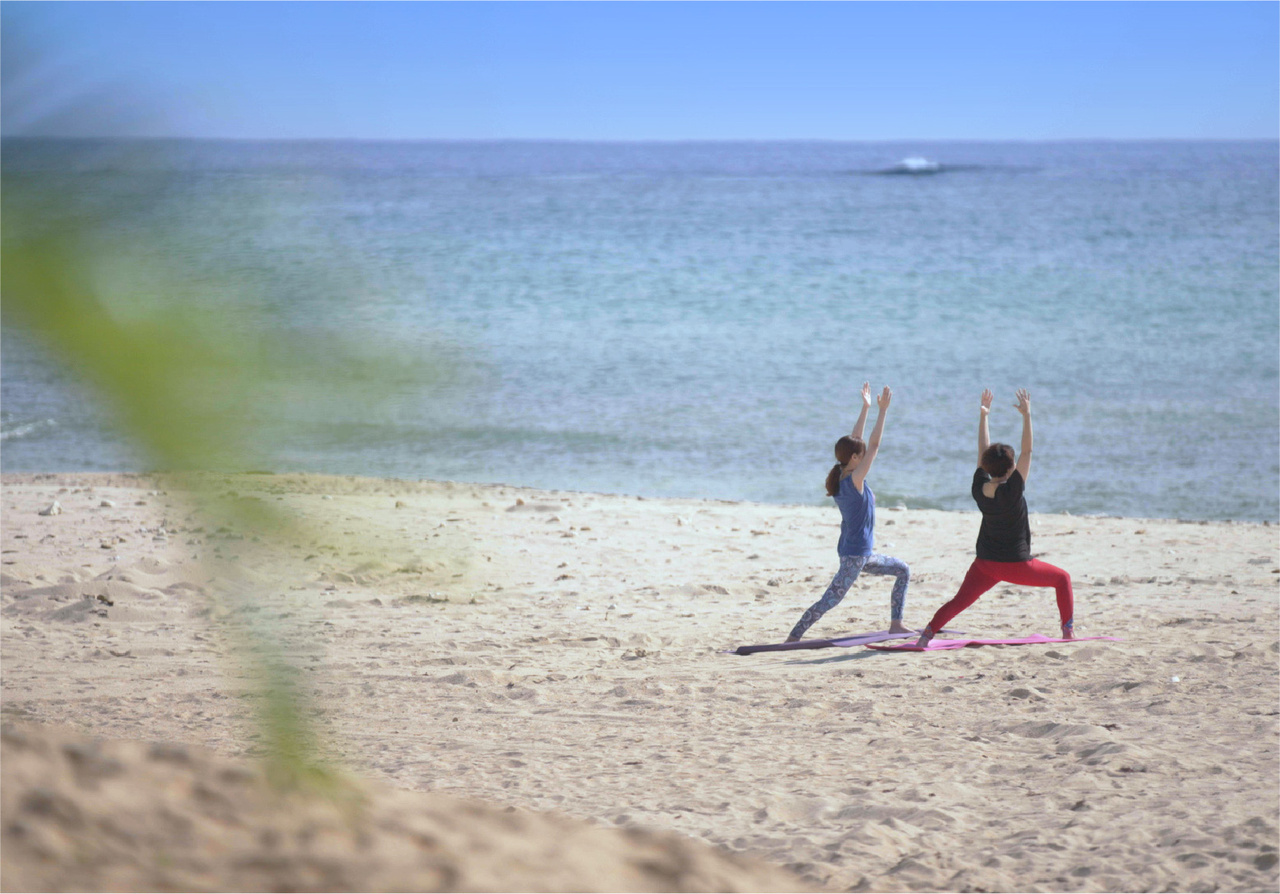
column 792, row 639
column 925, row 636
column 899, row 627
column 1068, row 632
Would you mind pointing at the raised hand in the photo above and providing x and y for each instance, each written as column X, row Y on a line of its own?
column 883, row 400
column 1024, row 402
column 986, row 400
column 866, row 394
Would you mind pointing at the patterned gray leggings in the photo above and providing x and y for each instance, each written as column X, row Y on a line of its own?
column 850, row 568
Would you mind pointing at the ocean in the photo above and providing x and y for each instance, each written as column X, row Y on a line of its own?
column 697, row 319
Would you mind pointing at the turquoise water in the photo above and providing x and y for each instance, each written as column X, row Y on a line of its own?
column 696, row 319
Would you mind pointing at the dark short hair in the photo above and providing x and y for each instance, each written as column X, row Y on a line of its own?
column 997, row 460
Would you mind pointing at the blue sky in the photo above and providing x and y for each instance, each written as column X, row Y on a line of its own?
column 668, row 71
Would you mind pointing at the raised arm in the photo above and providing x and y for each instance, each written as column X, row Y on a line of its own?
column 984, row 437
column 1024, row 457
column 862, row 417
column 873, row 443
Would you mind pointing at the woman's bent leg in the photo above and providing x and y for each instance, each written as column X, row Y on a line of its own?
column 976, row 582
column 1041, row 574
column 850, row 567
column 878, row 564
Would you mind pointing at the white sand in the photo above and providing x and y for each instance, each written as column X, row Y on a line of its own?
column 560, row 652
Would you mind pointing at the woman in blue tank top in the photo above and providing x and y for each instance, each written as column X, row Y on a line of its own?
column 847, row 483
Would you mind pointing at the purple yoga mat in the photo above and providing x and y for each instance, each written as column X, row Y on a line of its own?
column 938, row 645
column 860, row 639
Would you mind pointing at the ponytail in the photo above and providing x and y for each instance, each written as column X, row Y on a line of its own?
column 833, row 480
column 846, row 449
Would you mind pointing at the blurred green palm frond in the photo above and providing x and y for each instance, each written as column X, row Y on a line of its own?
column 184, row 312
column 196, row 369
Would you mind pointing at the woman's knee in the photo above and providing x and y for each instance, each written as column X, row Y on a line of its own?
column 895, row 567
column 1052, row 575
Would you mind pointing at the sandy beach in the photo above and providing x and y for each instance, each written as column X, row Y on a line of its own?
column 563, row 654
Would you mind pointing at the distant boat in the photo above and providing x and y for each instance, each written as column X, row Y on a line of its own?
column 914, row 164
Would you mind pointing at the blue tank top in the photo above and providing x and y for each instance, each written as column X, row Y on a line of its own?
column 857, row 518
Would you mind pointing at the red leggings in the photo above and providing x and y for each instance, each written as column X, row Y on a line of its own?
column 985, row 574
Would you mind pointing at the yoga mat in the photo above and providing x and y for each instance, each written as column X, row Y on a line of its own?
column 938, row 645
column 859, row 639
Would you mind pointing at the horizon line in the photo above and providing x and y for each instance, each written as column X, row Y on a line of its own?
column 632, row 140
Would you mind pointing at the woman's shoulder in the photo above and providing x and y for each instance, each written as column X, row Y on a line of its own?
column 980, row 481
column 847, row 485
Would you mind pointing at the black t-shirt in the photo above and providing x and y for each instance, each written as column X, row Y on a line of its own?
column 1005, row 535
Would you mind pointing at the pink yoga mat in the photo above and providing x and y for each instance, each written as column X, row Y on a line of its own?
column 938, row 645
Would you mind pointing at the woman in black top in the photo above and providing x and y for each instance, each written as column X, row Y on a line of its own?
column 1004, row 540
